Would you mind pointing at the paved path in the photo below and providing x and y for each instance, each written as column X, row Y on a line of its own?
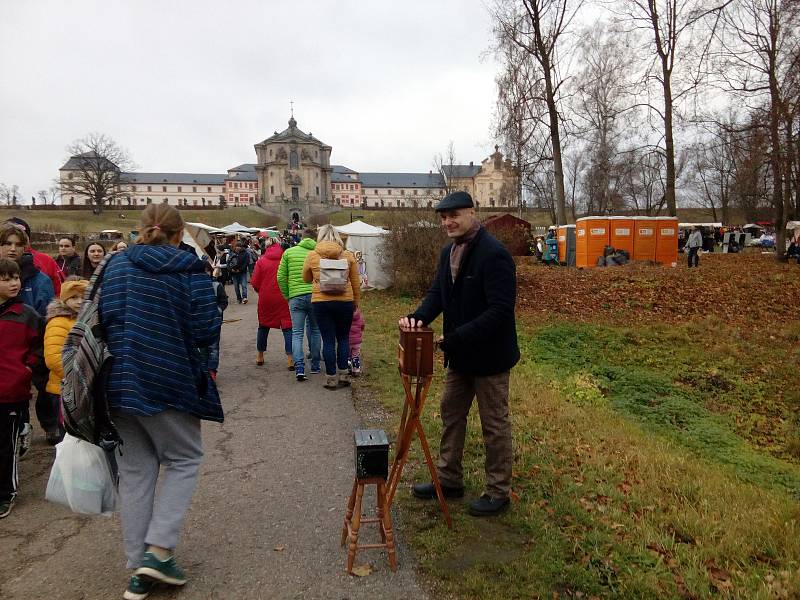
column 266, row 516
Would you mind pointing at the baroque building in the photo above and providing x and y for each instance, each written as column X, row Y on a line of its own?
column 293, row 174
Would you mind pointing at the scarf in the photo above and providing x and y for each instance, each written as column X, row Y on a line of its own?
column 459, row 246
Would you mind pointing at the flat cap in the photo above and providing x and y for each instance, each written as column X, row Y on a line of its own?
column 454, row 201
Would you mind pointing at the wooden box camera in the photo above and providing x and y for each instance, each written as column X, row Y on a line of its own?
column 372, row 453
column 415, row 351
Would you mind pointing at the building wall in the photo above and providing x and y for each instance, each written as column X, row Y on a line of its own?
column 277, row 175
column 400, row 197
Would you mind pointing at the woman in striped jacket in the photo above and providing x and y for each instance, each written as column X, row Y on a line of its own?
column 157, row 307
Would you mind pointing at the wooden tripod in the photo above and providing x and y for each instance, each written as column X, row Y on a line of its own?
column 409, row 423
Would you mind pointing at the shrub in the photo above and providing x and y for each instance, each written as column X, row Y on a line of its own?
column 411, row 252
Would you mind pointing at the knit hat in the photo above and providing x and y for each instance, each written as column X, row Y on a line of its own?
column 70, row 289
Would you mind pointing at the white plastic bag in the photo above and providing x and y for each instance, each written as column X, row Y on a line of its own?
column 81, row 478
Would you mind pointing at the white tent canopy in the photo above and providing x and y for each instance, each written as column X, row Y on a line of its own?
column 365, row 241
column 686, row 225
column 237, row 227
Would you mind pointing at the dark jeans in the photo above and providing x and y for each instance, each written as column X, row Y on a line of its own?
column 11, row 420
column 693, row 257
column 210, row 356
column 48, row 411
column 240, row 285
column 334, row 319
column 263, row 333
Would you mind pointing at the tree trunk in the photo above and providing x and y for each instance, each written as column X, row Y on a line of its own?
column 669, row 140
column 555, row 138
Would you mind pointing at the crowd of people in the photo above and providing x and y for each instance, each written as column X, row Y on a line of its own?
column 160, row 308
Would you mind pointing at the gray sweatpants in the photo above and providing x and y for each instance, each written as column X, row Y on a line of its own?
column 170, row 441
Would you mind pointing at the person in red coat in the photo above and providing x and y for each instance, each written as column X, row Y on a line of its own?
column 273, row 310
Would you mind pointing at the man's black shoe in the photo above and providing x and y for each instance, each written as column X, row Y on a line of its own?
column 486, row 506
column 426, row 491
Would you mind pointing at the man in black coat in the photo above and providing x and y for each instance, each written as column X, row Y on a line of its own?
column 475, row 288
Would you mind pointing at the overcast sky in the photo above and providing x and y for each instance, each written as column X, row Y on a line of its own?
column 190, row 86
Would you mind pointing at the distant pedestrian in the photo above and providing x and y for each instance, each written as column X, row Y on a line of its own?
column 693, row 246
column 273, row 310
column 238, row 264
column 333, row 309
column 355, row 337
column 210, row 354
column 61, row 316
column 67, row 261
column 92, row 256
column 157, row 307
column 21, row 330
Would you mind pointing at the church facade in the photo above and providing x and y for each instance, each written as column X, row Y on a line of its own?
column 293, row 173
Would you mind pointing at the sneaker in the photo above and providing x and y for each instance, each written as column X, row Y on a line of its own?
column 244, row 300
column 486, row 506
column 259, row 358
column 5, row 508
column 165, row 571
column 300, row 374
column 139, row 588
column 315, row 370
column 24, row 440
column 356, row 362
column 426, row 491
column 290, row 362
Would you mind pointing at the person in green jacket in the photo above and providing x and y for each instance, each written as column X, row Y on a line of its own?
column 298, row 294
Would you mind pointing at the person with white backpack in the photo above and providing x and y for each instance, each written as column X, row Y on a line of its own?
column 336, row 292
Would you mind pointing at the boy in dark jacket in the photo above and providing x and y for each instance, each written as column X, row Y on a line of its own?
column 21, row 330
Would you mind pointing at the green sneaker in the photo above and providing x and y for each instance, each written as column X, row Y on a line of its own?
column 165, row 571
column 139, row 588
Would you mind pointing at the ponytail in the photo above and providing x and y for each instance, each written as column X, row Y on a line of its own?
column 159, row 223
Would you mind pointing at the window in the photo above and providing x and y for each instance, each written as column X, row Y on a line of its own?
column 149, row 188
column 133, row 188
column 317, row 190
column 71, row 200
column 194, row 188
column 389, row 192
column 270, row 153
column 402, row 192
column 295, row 194
column 249, row 186
column 272, row 190
column 70, row 176
column 491, row 185
column 294, row 161
column 163, row 188
column 179, row 189
column 415, row 192
column 352, row 187
column 195, row 201
column 376, row 192
column 209, row 189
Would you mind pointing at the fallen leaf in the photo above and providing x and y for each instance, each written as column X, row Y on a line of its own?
column 361, row 570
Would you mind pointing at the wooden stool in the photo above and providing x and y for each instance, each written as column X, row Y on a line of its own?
column 354, row 519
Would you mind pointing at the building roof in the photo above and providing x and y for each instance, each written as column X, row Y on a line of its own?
column 197, row 178
column 461, row 170
column 401, row 180
column 338, row 177
column 78, row 162
column 244, row 167
column 343, row 169
column 292, row 132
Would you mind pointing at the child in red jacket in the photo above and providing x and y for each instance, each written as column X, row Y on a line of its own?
column 21, row 330
column 356, row 333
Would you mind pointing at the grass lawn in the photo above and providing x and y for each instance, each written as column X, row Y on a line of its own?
column 656, row 442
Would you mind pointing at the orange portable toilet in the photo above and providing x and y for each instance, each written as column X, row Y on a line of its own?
column 621, row 233
column 667, row 240
column 598, row 239
column 644, row 238
column 581, row 241
column 562, row 243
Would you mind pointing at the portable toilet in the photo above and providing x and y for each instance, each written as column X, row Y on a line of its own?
column 566, row 245
column 644, row 238
column 581, row 241
column 667, row 240
column 596, row 234
column 621, row 231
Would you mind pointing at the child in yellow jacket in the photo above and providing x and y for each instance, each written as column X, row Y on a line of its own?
column 62, row 313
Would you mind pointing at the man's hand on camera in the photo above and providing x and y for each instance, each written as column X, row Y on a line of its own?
column 410, row 322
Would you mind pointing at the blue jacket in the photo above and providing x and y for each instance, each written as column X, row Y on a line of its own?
column 157, row 306
column 36, row 289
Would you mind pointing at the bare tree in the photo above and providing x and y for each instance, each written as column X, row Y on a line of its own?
column 53, row 194
column 759, row 54
column 96, row 165
column 540, row 27
column 672, row 28
column 445, row 166
column 9, row 194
